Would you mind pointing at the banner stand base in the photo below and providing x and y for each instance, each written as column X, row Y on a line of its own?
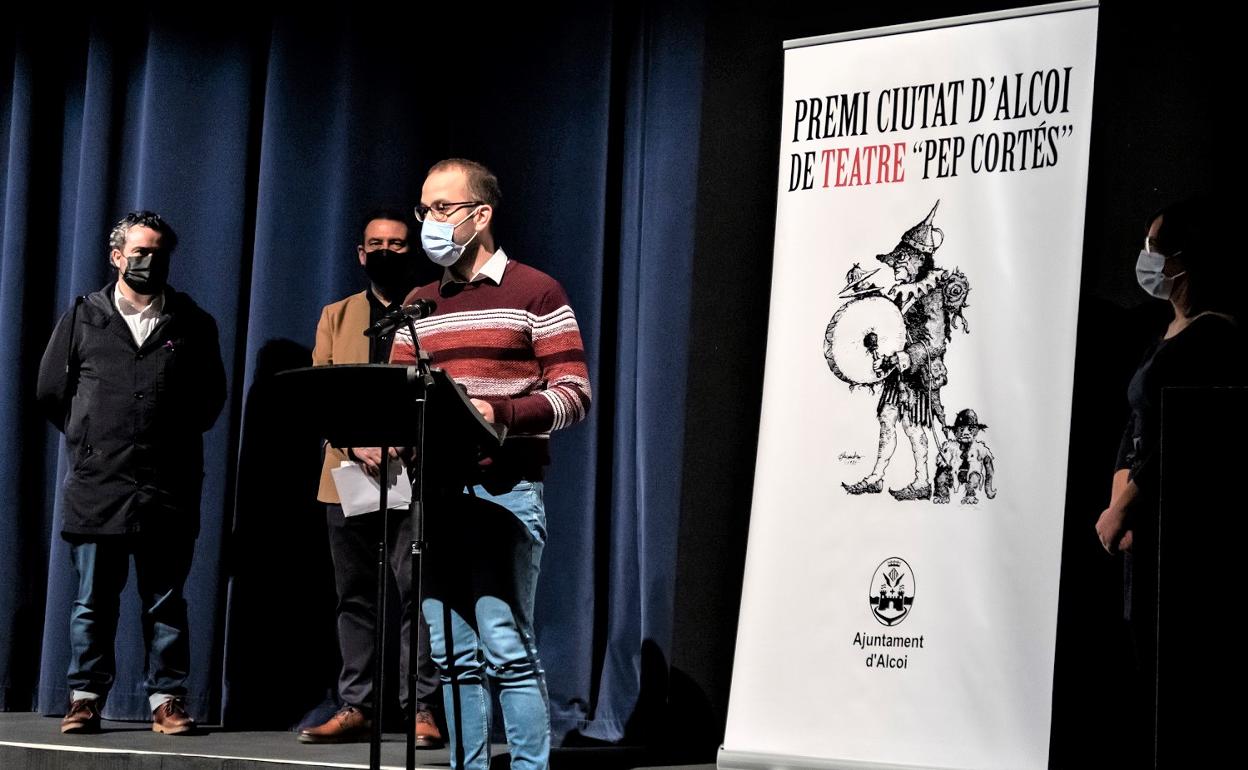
column 748, row 760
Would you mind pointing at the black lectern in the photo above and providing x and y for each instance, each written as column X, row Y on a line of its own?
column 386, row 405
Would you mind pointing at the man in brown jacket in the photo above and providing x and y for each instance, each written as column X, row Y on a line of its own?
column 340, row 339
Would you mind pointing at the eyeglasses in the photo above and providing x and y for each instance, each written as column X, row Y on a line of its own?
column 442, row 209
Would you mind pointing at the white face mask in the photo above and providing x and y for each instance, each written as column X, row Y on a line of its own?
column 438, row 240
column 1149, row 271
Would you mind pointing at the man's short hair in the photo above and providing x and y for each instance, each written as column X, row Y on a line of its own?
column 117, row 236
column 482, row 183
column 390, row 215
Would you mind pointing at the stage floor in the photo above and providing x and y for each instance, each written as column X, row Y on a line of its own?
column 28, row 740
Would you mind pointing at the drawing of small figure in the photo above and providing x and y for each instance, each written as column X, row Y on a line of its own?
column 964, row 461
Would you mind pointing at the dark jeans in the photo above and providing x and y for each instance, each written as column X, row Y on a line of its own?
column 353, row 545
column 161, row 564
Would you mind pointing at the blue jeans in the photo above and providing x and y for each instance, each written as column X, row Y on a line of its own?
column 161, row 566
column 484, row 555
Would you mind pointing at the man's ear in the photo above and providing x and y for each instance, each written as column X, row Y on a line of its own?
column 484, row 216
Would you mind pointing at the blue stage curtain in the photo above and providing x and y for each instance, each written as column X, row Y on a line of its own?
column 263, row 140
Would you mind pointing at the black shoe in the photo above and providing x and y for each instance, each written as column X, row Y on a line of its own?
column 864, row 487
column 912, row 492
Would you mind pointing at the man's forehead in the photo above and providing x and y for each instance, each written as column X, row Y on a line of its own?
column 142, row 234
column 385, row 228
column 448, row 184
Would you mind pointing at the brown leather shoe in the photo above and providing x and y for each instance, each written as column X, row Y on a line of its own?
column 171, row 718
column 428, row 736
column 349, row 725
column 83, row 717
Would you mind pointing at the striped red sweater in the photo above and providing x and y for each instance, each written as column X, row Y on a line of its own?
column 514, row 344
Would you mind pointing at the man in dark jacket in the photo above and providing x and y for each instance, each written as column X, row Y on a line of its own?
column 133, row 377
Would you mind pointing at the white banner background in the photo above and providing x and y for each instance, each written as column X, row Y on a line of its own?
column 985, row 582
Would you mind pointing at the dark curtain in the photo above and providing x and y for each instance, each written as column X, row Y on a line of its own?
column 263, row 140
column 637, row 152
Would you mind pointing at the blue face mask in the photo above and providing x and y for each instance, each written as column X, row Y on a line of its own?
column 438, row 240
column 1149, row 271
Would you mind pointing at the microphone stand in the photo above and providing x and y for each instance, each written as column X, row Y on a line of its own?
column 423, row 380
column 417, row 475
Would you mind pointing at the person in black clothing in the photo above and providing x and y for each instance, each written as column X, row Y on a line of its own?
column 133, row 377
column 1202, row 346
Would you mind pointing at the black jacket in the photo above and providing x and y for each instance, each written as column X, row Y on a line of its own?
column 133, row 416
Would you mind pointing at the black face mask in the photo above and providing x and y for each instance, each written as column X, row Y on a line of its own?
column 394, row 274
column 147, row 274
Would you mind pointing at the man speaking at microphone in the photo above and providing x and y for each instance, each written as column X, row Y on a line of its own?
column 505, row 332
column 340, row 339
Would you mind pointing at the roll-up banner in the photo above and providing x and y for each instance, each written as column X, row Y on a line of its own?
column 900, row 598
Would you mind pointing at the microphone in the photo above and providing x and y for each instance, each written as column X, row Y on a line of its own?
column 421, row 308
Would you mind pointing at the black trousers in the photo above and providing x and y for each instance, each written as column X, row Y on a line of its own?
column 353, row 545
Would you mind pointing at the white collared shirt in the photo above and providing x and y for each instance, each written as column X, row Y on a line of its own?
column 492, row 269
column 140, row 320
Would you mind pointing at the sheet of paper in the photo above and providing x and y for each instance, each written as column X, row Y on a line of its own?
column 361, row 493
